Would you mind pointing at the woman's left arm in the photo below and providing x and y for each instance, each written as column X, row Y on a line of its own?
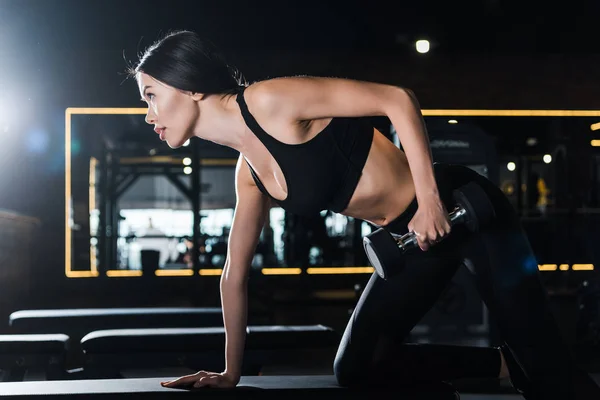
column 307, row 98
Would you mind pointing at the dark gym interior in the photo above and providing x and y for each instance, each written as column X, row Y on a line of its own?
column 112, row 244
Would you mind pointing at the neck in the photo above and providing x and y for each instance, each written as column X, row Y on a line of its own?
column 220, row 122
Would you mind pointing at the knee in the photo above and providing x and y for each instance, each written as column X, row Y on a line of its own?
column 341, row 370
column 340, row 373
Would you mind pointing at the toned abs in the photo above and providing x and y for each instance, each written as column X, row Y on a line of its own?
column 386, row 187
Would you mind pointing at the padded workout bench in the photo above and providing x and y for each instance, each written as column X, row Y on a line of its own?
column 76, row 323
column 35, row 354
column 250, row 387
column 109, row 352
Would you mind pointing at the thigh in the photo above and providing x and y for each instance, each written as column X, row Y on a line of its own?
column 500, row 255
column 388, row 310
column 506, row 272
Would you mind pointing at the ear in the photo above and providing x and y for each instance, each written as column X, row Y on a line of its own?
column 196, row 96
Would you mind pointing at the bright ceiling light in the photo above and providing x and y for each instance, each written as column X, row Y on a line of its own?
column 422, row 46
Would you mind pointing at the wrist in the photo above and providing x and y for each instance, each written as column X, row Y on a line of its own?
column 426, row 187
column 429, row 198
column 232, row 375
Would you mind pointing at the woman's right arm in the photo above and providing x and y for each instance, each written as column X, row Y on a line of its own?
column 251, row 210
column 250, row 214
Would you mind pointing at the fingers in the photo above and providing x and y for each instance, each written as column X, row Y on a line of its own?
column 186, row 380
column 198, row 380
column 208, row 381
column 422, row 241
column 428, row 239
column 429, row 229
column 179, row 382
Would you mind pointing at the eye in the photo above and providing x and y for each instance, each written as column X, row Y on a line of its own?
column 150, row 96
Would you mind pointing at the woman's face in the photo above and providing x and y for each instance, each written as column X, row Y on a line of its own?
column 173, row 113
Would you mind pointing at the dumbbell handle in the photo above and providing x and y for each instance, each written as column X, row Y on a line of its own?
column 409, row 239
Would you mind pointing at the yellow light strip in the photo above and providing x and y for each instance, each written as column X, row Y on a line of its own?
column 106, row 110
column 563, row 267
column 177, row 161
column 210, row 272
column 93, row 259
column 281, row 271
column 92, row 206
column 93, row 273
column 426, row 112
column 174, row 272
column 83, row 274
column 583, row 267
column 92, row 192
column 68, row 271
column 124, row 273
column 595, row 126
column 141, row 111
column 339, row 270
column 150, row 160
column 219, row 161
column 511, row 113
column 334, row 294
column 547, row 267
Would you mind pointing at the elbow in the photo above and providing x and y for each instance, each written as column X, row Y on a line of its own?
column 402, row 101
column 404, row 92
column 233, row 286
column 409, row 92
column 233, row 277
column 407, row 96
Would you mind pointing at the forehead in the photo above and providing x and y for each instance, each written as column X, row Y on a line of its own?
column 144, row 80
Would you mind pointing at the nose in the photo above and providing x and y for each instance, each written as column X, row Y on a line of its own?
column 150, row 117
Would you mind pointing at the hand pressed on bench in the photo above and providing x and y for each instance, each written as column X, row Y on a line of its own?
column 203, row 379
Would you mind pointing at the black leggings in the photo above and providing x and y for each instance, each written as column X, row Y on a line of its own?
column 505, row 270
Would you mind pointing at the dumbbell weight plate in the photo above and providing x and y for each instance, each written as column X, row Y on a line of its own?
column 383, row 252
column 475, row 200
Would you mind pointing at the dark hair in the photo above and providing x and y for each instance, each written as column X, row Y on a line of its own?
column 185, row 61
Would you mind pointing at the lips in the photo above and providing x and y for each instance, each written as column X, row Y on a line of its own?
column 160, row 132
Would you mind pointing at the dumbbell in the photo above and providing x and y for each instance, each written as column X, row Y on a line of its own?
column 385, row 249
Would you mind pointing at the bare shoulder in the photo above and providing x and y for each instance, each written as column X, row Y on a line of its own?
column 283, row 95
column 303, row 98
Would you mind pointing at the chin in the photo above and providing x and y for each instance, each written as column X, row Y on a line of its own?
column 175, row 144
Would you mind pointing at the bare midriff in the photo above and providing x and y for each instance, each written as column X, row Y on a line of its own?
column 386, row 188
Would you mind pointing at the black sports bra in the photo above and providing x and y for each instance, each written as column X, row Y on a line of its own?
column 320, row 174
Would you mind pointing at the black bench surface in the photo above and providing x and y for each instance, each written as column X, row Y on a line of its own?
column 254, row 387
column 78, row 322
column 198, row 339
column 37, row 344
column 40, row 319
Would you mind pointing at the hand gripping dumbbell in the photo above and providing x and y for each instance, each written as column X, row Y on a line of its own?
column 385, row 249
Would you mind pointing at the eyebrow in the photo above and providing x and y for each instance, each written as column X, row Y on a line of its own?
column 144, row 92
